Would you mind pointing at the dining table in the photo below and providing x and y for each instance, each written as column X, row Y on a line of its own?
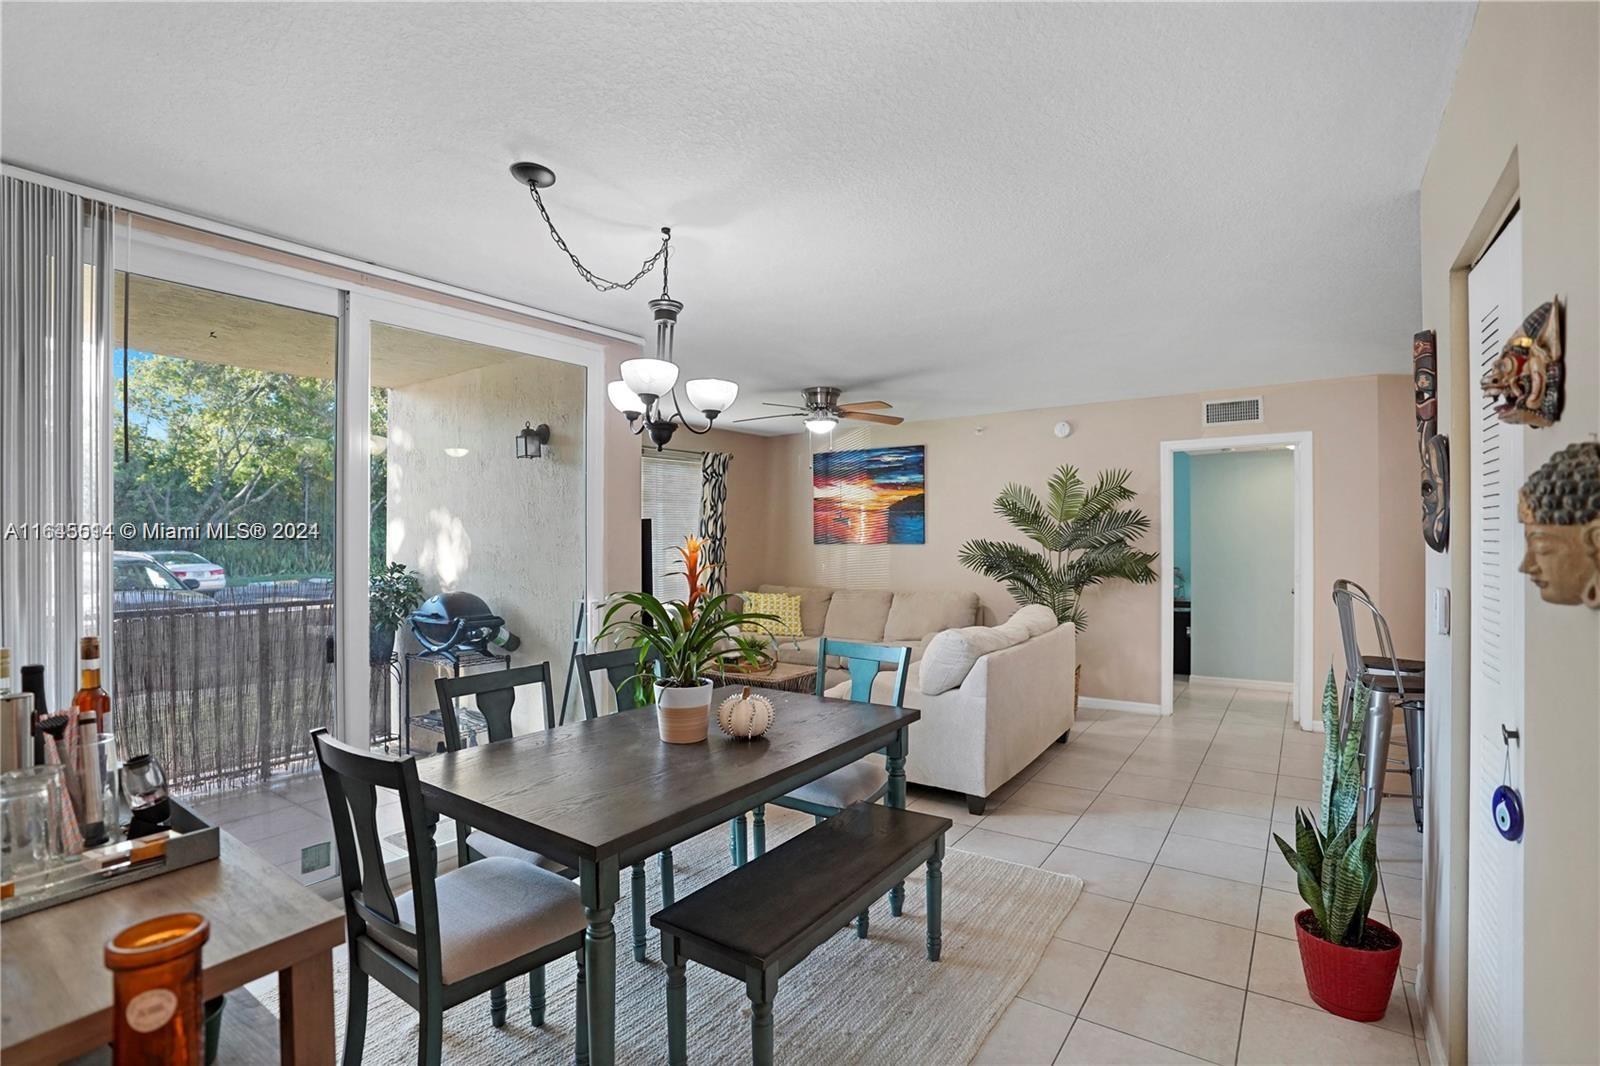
column 602, row 794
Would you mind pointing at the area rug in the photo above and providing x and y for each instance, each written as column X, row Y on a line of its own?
column 878, row 1000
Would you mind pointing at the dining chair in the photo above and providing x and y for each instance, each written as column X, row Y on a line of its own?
column 863, row 781
column 452, row 936
column 495, row 693
column 621, row 670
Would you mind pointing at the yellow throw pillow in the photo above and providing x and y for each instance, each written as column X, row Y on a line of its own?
column 784, row 605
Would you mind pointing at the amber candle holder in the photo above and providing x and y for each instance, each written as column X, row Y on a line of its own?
column 155, row 967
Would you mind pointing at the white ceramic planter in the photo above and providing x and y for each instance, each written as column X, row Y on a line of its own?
column 684, row 714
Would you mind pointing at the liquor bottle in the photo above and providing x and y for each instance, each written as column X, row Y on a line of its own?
column 90, row 696
column 156, row 971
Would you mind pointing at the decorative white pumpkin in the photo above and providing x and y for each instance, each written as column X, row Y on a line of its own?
column 745, row 716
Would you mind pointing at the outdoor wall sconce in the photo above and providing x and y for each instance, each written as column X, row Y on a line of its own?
column 531, row 441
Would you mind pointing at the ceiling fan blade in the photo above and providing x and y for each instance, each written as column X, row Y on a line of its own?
column 862, row 416
column 866, row 405
column 762, row 418
column 790, row 406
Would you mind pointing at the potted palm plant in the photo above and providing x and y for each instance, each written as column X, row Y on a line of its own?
column 1349, row 959
column 393, row 593
column 689, row 636
column 1084, row 535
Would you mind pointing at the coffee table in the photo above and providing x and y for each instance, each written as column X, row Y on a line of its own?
column 785, row 677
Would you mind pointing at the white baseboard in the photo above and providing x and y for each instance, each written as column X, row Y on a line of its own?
column 1095, row 703
column 1242, row 682
column 1432, row 1039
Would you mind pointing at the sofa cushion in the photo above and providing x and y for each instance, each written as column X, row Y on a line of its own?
column 858, row 614
column 918, row 615
column 785, row 606
column 950, row 655
column 798, row 652
column 1036, row 618
column 813, row 605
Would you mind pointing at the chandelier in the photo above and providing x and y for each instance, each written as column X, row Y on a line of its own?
column 647, row 384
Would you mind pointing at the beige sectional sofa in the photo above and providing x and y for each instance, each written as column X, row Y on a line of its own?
column 993, row 698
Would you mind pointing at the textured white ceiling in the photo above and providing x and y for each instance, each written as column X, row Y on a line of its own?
column 960, row 209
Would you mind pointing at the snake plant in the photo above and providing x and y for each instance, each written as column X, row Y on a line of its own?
column 1337, row 864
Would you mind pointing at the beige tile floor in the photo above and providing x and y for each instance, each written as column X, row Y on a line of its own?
column 1181, row 948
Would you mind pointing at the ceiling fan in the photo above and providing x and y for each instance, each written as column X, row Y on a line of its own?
column 823, row 411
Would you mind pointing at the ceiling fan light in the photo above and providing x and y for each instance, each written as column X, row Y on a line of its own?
column 649, row 377
column 821, row 423
column 624, row 399
column 712, row 395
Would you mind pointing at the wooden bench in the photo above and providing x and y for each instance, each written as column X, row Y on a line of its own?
column 761, row 920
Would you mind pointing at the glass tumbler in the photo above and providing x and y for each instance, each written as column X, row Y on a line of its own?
column 103, row 811
column 30, row 826
column 156, row 976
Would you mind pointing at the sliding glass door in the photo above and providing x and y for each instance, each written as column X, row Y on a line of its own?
column 281, row 440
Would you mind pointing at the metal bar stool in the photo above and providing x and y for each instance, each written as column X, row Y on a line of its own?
column 1388, row 679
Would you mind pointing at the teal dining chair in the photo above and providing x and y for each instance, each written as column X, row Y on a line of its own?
column 864, row 781
column 621, row 670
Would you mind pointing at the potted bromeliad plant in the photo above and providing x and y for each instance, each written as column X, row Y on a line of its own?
column 1349, row 959
column 1084, row 534
column 689, row 636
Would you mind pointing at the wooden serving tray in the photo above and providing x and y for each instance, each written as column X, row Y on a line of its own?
column 196, row 841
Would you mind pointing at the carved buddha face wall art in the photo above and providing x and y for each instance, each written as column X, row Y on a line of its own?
column 1424, row 375
column 1436, row 492
column 1525, row 380
column 1560, row 511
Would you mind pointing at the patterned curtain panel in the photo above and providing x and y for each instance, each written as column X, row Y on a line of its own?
column 714, row 517
column 55, row 427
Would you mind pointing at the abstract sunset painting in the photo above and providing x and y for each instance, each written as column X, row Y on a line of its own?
column 868, row 496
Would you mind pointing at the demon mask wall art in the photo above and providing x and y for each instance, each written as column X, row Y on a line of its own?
column 1432, row 446
column 1525, row 380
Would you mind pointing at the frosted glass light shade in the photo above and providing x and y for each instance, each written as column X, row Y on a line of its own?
column 624, row 399
column 712, row 394
column 649, row 377
column 821, row 423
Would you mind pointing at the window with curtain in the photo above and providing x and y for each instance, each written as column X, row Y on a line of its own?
column 669, row 496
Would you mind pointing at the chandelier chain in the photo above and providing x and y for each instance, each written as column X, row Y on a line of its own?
column 605, row 284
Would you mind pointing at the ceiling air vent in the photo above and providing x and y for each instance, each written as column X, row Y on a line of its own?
column 1229, row 412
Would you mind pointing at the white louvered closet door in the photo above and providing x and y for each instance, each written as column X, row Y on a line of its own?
column 1494, row 865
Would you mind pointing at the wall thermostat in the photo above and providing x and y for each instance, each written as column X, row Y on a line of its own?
column 1063, row 429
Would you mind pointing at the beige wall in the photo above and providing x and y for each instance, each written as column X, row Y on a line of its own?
column 1361, row 428
column 509, row 530
column 1519, row 127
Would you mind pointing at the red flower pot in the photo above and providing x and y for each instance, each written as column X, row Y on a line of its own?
column 1353, row 983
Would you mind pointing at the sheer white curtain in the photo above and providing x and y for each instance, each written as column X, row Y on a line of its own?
column 55, row 427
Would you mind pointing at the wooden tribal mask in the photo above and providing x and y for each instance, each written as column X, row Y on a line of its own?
column 1525, row 380
column 1436, row 492
column 1425, row 376
column 1560, row 511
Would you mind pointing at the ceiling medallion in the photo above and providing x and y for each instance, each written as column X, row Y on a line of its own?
column 647, row 383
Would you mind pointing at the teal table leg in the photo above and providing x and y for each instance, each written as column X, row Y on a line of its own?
column 759, row 818
column 599, row 885
column 863, row 921
column 936, row 901
column 582, row 1025
column 668, row 895
column 638, row 912
column 897, row 798
column 738, row 845
column 677, row 1004
column 497, row 1006
column 536, row 996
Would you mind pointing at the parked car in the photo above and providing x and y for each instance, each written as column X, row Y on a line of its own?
column 137, row 580
column 188, row 565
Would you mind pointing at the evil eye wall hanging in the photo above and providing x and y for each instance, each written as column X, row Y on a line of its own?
column 1506, row 803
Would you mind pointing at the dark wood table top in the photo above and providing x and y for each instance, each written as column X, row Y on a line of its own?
column 596, row 789
column 57, row 990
